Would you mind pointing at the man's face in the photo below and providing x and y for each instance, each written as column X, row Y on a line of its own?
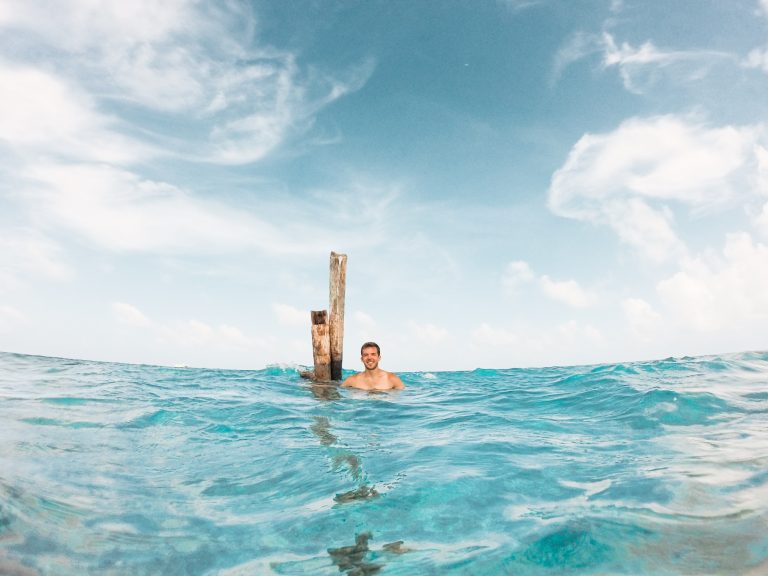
column 370, row 358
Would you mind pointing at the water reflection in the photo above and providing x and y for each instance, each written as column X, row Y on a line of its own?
column 353, row 559
column 325, row 391
column 362, row 493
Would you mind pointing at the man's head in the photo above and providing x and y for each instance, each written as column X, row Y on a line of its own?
column 370, row 354
column 370, row 345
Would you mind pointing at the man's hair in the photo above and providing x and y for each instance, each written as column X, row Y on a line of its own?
column 370, row 345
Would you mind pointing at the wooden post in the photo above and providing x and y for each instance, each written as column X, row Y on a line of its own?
column 321, row 345
column 338, row 280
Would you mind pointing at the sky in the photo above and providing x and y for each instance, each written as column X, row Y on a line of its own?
column 516, row 183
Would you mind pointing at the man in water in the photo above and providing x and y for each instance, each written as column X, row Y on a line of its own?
column 374, row 378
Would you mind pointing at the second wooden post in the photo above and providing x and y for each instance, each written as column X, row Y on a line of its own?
column 338, row 279
column 321, row 346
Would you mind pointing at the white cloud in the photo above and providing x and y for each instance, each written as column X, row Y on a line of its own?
column 427, row 333
column 240, row 99
column 194, row 334
column 630, row 178
column 573, row 333
column 625, row 54
column 103, row 24
column 617, row 6
column 288, row 315
column 639, row 66
column 761, row 179
column 486, row 335
column 10, row 317
column 24, row 252
column 648, row 230
column 190, row 335
column 568, row 342
column 364, row 320
column 763, row 6
column 710, row 293
column 516, row 274
column 643, row 320
column 567, row 291
column 118, row 210
column 761, row 221
column 130, row 315
column 518, row 5
column 41, row 113
column 578, row 46
column 757, row 58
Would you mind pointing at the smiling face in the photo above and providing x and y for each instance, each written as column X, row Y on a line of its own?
column 370, row 357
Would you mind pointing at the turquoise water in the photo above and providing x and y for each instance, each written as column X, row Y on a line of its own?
column 639, row 468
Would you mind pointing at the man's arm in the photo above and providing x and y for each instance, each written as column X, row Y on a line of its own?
column 350, row 381
column 395, row 382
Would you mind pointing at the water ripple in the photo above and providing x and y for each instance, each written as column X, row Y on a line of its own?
column 646, row 467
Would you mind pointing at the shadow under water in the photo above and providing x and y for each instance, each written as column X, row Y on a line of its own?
column 352, row 558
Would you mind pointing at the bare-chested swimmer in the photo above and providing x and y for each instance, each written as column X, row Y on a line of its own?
column 373, row 378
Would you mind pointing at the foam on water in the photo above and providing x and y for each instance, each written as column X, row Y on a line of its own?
column 638, row 468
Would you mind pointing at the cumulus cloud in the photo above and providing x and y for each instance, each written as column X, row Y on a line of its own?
column 130, row 315
column 486, row 335
column 200, row 335
column 10, row 317
column 630, row 179
column 427, row 333
column 288, row 315
column 567, row 291
column 761, row 221
column 643, row 320
column 27, row 253
column 713, row 292
column 364, row 320
column 189, row 334
column 516, row 274
column 647, row 229
column 574, row 333
column 563, row 343
column 757, row 58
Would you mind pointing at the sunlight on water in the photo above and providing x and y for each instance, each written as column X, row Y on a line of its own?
column 641, row 468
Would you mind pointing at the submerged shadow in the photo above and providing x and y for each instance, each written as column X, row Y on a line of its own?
column 356, row 560
column 322, row 391
column 351, row 559
column 342, row 459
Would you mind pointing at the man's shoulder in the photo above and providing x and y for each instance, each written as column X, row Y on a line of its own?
column 349, row 380
column 395, row 380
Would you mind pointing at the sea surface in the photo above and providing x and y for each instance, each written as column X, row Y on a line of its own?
column 638, row 468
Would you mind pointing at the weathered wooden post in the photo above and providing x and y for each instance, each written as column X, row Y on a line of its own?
column 321, row 345
column 338, row 279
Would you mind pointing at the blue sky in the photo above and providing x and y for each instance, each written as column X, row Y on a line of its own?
column 516, row 183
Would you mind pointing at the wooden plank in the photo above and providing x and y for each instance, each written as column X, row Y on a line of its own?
column 337, row 289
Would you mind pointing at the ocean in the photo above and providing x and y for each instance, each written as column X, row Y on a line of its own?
column 637, row 468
